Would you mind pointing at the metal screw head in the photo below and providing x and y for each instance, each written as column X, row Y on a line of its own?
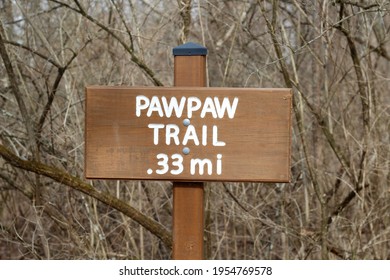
column 186, row 122
column 186, row 150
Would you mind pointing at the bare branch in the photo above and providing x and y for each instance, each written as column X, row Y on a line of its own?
column 61, row 72
column 185, row 13
column 64, row 178
column 15, row 90
column 129, row 49
column 44, row 57
column 124, row 23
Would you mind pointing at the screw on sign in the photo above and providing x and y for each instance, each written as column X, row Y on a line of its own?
column 188, row 134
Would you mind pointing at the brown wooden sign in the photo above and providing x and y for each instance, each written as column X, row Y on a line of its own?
column 188, row 134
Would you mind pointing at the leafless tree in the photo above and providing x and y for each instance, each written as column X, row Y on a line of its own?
column 334, row 54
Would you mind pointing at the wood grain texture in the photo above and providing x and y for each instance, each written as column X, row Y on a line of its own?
column 188, row 197
column 120, row 145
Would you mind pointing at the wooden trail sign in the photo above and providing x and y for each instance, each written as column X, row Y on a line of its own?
column 188, row 134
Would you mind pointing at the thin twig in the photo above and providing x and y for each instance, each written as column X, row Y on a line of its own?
column 76, row 183
column 16, row 92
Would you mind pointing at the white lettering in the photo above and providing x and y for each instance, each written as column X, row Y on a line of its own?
column 226, row 106
column 215, row 137
column 201, row 163
column 172, row 134
column 193, row 104
column 204, row 135
column 172, row 131
column 141, row 103
column 173, row 105
column 219, row 164
column 155, row 106
column 168, row 108
column 178, row 162
column 156, row 127
column 208, row 107
column 163, row 162
column 191, row 135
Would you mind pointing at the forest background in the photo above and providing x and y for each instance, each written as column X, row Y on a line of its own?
column 334, row 54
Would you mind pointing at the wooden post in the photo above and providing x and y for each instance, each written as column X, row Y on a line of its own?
column 188, row 208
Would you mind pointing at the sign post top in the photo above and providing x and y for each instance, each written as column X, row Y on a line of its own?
column 189, row 49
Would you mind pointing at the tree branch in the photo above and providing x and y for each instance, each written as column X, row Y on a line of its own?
column 16, row 92
column 76, row 183
column 44, row 57
column 360, row 78
column 149, row 73
column 185, row 13
column 61, row 72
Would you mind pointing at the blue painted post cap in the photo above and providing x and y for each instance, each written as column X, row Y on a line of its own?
column 189, row 49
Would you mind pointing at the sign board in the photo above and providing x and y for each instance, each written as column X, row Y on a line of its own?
column 188, row 134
